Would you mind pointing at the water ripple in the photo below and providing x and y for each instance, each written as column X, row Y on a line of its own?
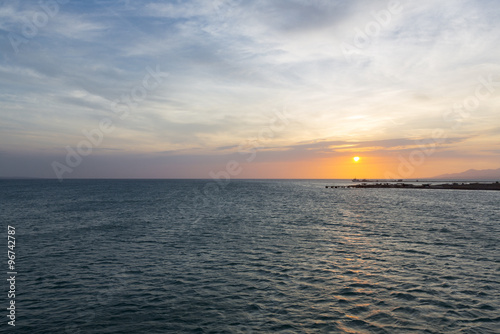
column 264, row 256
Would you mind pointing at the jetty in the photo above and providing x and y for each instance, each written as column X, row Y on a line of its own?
column 408, row 185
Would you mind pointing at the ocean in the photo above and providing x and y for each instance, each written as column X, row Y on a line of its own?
column 249, row 256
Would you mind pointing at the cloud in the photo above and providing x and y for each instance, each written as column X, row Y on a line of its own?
column 233, row 64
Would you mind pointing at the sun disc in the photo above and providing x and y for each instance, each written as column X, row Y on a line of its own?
column 356, row 159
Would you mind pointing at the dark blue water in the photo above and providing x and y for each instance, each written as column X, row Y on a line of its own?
column 114, row 256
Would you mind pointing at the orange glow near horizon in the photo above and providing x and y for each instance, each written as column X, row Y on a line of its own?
column 366, row 167
column 374, row 167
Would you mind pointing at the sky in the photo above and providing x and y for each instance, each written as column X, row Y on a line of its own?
column 248, row 89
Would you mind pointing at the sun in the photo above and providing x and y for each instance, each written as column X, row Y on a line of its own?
column 356, row 159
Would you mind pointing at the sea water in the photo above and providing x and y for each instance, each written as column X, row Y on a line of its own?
column 250, row 256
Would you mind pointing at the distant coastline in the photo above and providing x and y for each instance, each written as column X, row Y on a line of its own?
column 407, row 185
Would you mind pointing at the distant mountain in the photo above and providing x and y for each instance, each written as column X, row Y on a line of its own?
column 472, row 174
